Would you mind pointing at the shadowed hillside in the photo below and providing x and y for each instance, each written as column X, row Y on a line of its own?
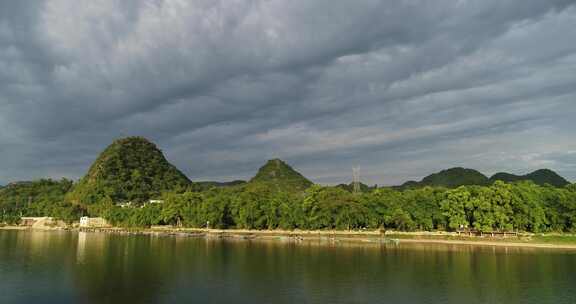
column 539, row 177
column 455, row 177
column 207, row 185
column 450, row 178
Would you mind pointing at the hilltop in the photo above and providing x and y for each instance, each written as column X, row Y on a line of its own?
column 455, row 177
column 280, row 176
column 130, row 169
column 539, row 177
column 450, row 178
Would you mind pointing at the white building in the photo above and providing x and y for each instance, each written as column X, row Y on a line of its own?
column 93, row 222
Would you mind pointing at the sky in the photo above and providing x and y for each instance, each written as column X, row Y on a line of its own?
column 399, row 88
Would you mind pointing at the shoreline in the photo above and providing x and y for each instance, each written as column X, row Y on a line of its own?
column 490, row 243
column 331, row 236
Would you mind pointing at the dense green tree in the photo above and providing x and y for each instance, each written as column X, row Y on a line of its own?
column 386, row 210
column 182, row 209
column 290, row 209
column 528, row 212
column 333, row 208
column 422, row 204
column 455, row 207
column 43, row 197
column 215, row 208
column 262, row 204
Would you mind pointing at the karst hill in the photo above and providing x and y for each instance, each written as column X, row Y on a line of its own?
column 130, row 169
column 455, row 177
column 280, row 176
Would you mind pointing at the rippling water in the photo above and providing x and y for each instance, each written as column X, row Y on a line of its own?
column 68, row 267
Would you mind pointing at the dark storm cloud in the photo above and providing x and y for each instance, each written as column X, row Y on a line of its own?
column 401, row 88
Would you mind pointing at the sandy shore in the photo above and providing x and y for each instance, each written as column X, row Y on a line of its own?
column 333, row 236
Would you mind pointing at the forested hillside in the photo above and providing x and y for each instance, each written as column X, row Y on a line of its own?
column 133, row 169
column 130, row 169
column 278, row 175
column 539, row 177
column 455, row 177
column 450, row 178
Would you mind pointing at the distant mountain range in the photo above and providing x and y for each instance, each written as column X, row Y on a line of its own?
column 134, row 169
column 456, row 177
column 540, row 177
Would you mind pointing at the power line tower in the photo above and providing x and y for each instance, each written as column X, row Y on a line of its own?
column 356, row 180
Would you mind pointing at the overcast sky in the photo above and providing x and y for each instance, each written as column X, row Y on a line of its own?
column 400, row 88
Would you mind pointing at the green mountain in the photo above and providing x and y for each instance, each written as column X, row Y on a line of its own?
column 206, row 185
column 505, row 177
column 539, row 177
column 130, row 169
column 450, row 178
column 280, row 176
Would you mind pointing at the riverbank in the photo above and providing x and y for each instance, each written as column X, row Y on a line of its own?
column 550, row 241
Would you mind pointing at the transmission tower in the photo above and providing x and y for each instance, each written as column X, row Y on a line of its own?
column 356, row 180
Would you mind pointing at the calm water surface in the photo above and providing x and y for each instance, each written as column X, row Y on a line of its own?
column 67, row 267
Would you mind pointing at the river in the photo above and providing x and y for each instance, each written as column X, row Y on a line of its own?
column 78, row 267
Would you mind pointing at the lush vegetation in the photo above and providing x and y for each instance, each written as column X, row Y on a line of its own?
column 39, row 198
column 450, row 178
column 522, row 206
column 201, row 186
column 540, row 177
column 456, row 177
column 279, row 176
column 278, row 197
column 129, row 170
column 363, row 187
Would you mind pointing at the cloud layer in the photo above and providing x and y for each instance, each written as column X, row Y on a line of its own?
column 399, row 88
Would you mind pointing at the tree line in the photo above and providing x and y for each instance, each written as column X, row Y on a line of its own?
column 522, row 206
column 44, row 197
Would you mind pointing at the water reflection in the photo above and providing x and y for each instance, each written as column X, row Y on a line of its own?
column 105, row 268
